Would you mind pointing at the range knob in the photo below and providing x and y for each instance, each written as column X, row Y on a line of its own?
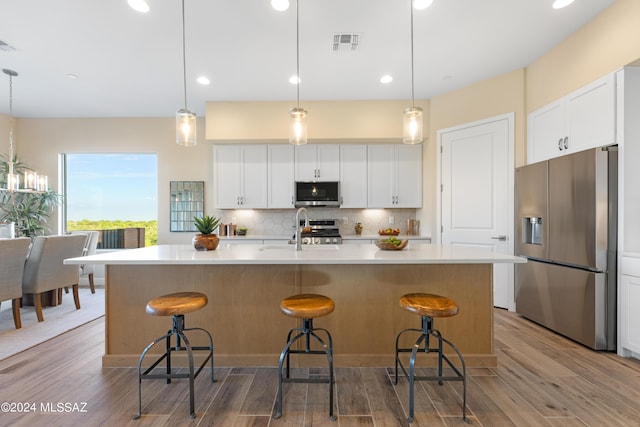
column 327, row 240
column 305, row 241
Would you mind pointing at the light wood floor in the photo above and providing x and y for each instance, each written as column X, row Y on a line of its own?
column 541, row 380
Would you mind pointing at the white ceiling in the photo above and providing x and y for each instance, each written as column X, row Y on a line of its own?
column 130, row 64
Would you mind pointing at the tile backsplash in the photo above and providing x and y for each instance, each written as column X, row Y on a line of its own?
column 281, row 221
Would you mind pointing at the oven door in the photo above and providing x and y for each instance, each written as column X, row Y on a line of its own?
column 317, row 193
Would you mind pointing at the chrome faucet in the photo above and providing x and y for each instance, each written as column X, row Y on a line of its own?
column 299, row 228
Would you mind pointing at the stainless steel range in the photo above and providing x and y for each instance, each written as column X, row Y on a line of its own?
column 321, row 232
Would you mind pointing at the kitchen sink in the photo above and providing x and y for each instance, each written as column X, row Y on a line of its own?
column 305, row 248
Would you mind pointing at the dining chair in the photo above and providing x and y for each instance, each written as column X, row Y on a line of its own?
column 45, row 269
column 87, row 270
column 13, row 253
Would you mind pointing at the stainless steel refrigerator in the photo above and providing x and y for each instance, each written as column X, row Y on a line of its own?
column 566, row 226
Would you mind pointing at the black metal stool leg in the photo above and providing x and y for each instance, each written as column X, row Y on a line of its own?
column 306, row 331
column 460, row 375
column 180, row 337
column 283, row 354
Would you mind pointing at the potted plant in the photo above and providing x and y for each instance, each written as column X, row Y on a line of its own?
column 206, row 240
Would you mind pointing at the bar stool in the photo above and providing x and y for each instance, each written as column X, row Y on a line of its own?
column 306, row 307
column 175, row 305
column 429, row 306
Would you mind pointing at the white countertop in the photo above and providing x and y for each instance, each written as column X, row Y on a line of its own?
column 266, row 237
column 364, row 253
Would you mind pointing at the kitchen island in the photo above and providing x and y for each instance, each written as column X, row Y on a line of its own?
column 245, row 283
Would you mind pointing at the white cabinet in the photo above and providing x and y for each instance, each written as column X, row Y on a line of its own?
column 280, row 170
column 394, row 176
column 582, row 120
column 629, row 297
column 317, row 162
column 353, row 175
column 239, row 176
column 628, row 133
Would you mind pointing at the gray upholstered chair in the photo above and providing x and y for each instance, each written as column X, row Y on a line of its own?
column 86, row 270
column 13, row 253
column 45, row 271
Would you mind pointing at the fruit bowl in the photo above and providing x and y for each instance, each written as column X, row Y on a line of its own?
column 389, row 231
column 385, row 245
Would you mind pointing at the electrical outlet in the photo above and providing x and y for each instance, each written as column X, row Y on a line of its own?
column 392, row 220
column 345, row 220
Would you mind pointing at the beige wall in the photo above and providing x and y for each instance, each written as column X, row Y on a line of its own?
column 489, row 98
column 40, row 141
column 366, row 121
column 610, row 41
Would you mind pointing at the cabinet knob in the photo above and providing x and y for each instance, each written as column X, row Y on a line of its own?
column 566, row 142
column 560, row 144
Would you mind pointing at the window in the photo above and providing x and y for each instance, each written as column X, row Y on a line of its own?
column 111, row 191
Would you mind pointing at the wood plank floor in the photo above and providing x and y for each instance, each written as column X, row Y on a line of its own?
column 542, row 379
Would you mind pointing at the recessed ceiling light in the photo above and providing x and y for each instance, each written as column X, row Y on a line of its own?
column 559, row 4
column 294, row 80
column 203, row 80
column 386, row 79
column 72, row 76
column 422, row 4
column 139, row 5
column 280, row 5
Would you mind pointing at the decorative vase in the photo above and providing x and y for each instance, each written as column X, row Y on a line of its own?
column 205, row 242
column 358, row 228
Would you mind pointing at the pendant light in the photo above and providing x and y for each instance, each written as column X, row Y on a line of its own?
column 185, row 119
column 32, row 181
column 412, row 118
column 13, row 179
column 297, row 115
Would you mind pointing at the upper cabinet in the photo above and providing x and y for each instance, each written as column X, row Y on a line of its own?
column 239, row 176
column 317, row 162
column 280, row 172
column 582, row 120
column 248, row 176
column 353, row 175
column 394, row 176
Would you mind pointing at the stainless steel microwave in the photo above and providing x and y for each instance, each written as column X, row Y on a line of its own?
column 326, row 193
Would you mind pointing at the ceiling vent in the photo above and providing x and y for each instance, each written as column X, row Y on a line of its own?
column 5, row 47
column 345, row 42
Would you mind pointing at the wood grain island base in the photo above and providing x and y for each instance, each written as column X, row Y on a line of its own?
column 244, row 317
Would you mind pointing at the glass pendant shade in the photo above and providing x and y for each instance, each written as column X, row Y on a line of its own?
column 185, row 127
column 412, row 125
column 297, row 126
column 13, row 180
column 30, row 180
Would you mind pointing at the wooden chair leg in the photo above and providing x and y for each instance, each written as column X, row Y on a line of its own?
column 76, row 297
column 66, row 289
column 59, row 295
column 91, row 285
column 15, row 304
column 37, row 301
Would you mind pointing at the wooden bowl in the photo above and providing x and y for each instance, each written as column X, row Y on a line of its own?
column 386, row 246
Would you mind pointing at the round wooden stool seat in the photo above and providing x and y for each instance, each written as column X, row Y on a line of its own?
column 307, row 306
column 429, row 305
column 176, row 304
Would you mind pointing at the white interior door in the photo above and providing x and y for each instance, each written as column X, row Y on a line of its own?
column 476, row 201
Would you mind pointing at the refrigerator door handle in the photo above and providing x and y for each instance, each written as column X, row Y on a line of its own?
column 502, row 237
